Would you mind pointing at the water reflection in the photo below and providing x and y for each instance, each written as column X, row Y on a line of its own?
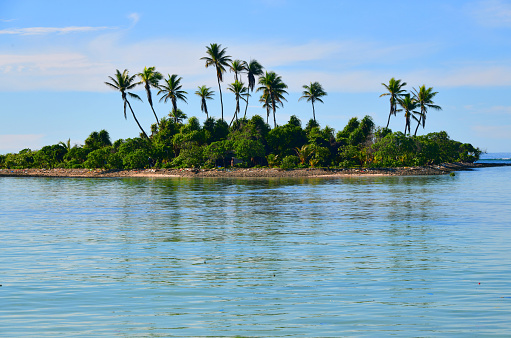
column 257, row 257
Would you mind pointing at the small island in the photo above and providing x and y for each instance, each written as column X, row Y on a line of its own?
column 249, row 146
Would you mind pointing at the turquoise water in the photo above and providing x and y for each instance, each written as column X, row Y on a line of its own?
column 361, row 256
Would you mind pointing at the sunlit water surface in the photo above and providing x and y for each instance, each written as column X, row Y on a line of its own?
column 360, row 256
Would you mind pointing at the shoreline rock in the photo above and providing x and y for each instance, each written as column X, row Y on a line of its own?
column 441, row 169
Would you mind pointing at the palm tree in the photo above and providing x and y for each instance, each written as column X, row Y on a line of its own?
column 424, row 98
column 171, row 90
column 150, row 78
column 205, row 93
column 253, row 69
column 237, row 66
column 217, row 58
column 177, row 115
column 272, row 86
column 408, row 104
column 395, row 91
column 265, row 100
column 239, row 90
column 313, row 93
column 123, row 82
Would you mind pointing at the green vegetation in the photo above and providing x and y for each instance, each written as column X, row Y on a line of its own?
column 252, row 143
column 177, row 141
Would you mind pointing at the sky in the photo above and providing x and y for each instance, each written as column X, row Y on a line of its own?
column 56, row 55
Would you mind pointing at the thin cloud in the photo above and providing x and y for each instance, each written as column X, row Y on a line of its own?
column 135, row 18
column 493, row 132
column 493, row 13
column 14, row 143
column 51, row 30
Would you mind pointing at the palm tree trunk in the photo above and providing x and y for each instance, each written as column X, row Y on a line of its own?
column 133, row 113
column 246, row 107
column 313, row 112
column 150, row 100
column 418, row 124
column 274, row 120
column 157, row 121
column 390, row 114
column 221, row 101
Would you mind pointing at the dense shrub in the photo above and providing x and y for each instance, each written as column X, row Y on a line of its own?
column 190, row 144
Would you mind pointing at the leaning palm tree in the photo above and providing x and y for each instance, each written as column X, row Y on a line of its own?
column 217, row 58
column 272, row 86
column 150, row 78
column 313, row 93
column 239, row 90
column 171, row 90
column 408, row 104
column 123, row 82
column 205, row 93
column 237, row 66
column 424, row 98
column 253, row 69
column 395, row 91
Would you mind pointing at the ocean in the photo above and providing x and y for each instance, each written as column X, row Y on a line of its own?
column 328, row 257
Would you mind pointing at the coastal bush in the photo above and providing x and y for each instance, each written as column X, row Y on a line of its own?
column 97, row 140
column 189, row 157
column 290, row 162
column 320, row 156
column 98, row 158
column 138, row 159
column 50, row 156
column 249, row 150
column 273, row 160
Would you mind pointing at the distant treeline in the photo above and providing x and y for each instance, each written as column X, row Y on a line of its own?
column 248, row 143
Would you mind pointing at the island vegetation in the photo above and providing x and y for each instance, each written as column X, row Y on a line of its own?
column 176, row 141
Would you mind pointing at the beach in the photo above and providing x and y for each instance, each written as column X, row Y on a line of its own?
column 441, row 169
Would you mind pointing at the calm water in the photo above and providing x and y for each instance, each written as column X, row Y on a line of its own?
column 376, row 256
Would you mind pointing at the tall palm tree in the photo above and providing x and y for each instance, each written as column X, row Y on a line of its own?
column 408, row 104
column 150, row 78
column 237, row 66
column 424, row 98
column 253, row 69
column 313, row 93
column 239, row 90
column 395, row 91
column 171, row 90
column 217, row 58
column 124, row 82
column 205, row 93
column 272, row 86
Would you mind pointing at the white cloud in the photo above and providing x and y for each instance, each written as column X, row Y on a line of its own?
column 493, row 110
column 493, row 132
column 345, row 66
column 50, row 30
column 493, row 13
column 15, row 143
column 134, row 17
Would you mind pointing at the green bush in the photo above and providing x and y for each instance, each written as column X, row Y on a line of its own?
column 289, row 162
column 138, row 159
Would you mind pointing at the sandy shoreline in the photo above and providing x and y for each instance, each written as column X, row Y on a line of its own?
column 245, row 172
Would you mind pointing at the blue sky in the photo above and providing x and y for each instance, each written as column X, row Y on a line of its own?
column 56, row 55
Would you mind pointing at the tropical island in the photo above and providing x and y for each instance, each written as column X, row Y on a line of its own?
column 176, row 142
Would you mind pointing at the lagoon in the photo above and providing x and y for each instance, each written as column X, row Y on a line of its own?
column 329, row 257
